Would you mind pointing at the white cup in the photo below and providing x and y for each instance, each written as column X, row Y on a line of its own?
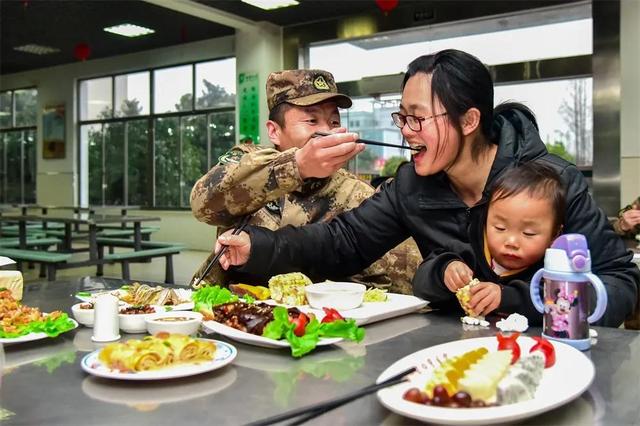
column 105, row 321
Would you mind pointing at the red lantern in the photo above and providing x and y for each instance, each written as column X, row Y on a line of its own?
column 81, row 51
column 387, row 5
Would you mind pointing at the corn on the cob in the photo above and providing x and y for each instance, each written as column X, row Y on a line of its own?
column 464, row 296
column 289, row 288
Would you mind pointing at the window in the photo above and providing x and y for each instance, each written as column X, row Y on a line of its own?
column 563, row 106
column 121, row 162
column 563, row 109
column 18, row 118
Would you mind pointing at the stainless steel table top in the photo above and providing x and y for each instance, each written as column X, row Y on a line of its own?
column 44, row 384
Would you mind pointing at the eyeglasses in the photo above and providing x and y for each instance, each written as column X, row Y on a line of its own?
column 414, row 122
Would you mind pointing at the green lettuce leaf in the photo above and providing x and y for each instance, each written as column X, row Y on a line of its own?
column 208, row 297
column 51, row 327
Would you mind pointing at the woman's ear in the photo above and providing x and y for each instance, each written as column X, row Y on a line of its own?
column 273, row 131
column 470, row 121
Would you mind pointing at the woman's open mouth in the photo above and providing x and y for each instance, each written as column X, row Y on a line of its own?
column 419, row 149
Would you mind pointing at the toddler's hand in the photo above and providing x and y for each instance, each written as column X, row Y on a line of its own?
column 485, row 298
column 457, row 275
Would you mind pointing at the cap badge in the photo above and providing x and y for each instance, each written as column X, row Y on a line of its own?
column 320, row 84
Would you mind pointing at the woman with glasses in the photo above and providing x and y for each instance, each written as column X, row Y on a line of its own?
column 464, row 145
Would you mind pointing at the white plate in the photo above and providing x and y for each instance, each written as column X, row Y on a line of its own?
column 183, row 294
column 567, row 379
column 33, row 336
column 253, row 339
column 369, row 312
column 225, row 354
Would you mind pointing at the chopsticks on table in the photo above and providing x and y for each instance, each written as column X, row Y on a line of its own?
column 311, row 411
column 368, row 142
column 241, row 225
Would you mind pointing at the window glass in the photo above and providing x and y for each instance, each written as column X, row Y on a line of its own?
column 132, row 94
column 221, row 128
column 385, row 54
column 114, row 164
column 29, row 166
column 167, row 162
column 194, row 153
column 26, row 107
column 13, row 150
column 172, row 89
column 140, row 163
column 96, row 98
column 91, row 139
column 563, row 109
column 371, row 119
column 216, row 84
column 5, row 110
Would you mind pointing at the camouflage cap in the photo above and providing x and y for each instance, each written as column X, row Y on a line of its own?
column 303, row 88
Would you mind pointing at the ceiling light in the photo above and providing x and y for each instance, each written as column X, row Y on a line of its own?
column 37, row 49
column 271, row 4
column 129, row 30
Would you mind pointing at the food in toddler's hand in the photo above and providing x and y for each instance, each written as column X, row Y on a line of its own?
column 288, row 288
column 464, row 297
column 154, row 352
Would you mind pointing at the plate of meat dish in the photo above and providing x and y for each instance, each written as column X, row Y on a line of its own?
column 482, row 381
column 245, row 322
column 137, row 294
column 20, row 323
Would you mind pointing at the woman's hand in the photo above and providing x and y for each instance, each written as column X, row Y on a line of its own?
column 239, row 249
column 457, row 275
column 629, row 220
column 485, row 298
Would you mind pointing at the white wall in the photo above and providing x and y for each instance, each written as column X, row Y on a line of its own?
column 630, row 100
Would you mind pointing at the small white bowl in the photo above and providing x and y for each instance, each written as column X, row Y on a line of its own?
column 134, row 323
column 83, row 316
column 187, row 323
column 335, row 295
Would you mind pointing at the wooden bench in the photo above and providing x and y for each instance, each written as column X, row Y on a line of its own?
column 48, row 258
column 125, row 258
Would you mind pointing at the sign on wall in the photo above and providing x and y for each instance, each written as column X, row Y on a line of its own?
column 53, row 142
column 249, row 107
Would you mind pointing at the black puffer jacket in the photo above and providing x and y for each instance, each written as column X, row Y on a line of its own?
column 425, row 208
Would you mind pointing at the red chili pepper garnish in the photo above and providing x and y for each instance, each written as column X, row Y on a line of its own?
column 547, row 349
column 331, row 315
column 506, row 343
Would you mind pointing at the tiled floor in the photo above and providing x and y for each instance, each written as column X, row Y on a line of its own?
column 184, row 265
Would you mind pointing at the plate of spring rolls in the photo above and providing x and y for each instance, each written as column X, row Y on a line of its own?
column 159, row 357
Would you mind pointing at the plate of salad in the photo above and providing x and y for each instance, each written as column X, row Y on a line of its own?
column 20, row 323
column 265, row 325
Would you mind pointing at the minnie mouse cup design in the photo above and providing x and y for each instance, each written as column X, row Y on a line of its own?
column 566, row 274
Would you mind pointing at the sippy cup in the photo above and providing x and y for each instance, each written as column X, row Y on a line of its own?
column 566, row 274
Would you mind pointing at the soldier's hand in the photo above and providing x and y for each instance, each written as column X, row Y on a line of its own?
column 457, row 275
column 324, row 155
column 239, row 249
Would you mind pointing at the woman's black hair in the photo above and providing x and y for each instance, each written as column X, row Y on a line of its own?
column 538, row 180
column 460, row 82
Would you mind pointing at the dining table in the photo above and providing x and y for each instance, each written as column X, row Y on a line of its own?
column 43, row 382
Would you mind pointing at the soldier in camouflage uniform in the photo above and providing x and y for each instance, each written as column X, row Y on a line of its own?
column 300, row 181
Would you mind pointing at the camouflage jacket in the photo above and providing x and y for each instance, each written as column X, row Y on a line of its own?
column 266, row 184
column 631, row 233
